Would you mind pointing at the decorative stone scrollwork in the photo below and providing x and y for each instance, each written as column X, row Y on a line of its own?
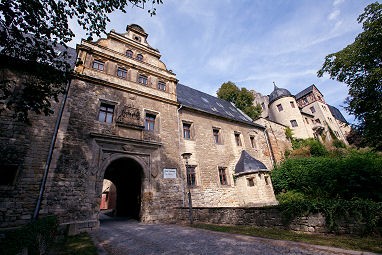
column 129, row 115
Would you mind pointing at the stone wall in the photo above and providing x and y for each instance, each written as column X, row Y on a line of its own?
column 24, row 146
column 269, row 217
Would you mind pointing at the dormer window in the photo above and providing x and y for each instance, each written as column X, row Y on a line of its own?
column 139, row 57
column 129, row 53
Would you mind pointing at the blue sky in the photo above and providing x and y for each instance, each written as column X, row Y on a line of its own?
column 250, row 42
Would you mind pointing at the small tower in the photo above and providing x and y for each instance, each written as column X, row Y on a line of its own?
column 283, row 109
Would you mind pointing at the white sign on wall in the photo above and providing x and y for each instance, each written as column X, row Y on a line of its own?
column 169, row 173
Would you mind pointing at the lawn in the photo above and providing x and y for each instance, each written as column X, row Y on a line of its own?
column 370, row 243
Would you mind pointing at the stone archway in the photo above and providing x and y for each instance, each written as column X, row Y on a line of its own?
column 127, row 176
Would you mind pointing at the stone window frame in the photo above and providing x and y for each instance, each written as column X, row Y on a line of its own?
column 238, row 138
column 312, row 109
column 98, row 65
column 162, row 85
column 129, row 53
column 106, row 103
column 10, row 173
column 156, row 121
column 123, row 71
column 139, row 57
column 251, row 182
column 280, row 107
column 223, row 176
column 318, row 120
column 293, row 123
column 191, row 176
column 266, row 179
column 217, row 135
column 190, row 130
column 292, row 104
column 143, row 79
column 252, row 141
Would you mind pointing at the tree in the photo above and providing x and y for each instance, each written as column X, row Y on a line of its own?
column 242, row 98
column 359, row 65
column 30, row 32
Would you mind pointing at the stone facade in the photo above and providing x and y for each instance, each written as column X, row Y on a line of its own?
column 123, row 122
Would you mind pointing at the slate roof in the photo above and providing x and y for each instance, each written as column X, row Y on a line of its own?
column 71, row 54
column 248, row 164
column 278, row 93
column 304, row 92
column 337, row 114
column 204, row 102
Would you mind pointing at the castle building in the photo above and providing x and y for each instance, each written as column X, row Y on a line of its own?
column 306, row 114
column 131, row 138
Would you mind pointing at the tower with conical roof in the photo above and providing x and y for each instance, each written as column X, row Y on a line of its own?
column 283, row 109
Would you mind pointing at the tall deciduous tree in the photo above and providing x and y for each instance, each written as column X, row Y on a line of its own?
column 359, row 65
column 31, row 30
column 242, row 98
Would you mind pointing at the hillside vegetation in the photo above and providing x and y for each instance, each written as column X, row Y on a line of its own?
column 342, row 184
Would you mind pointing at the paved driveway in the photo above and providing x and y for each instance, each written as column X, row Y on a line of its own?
column 117, row 237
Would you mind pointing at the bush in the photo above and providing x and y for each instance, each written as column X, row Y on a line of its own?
column 316, row 148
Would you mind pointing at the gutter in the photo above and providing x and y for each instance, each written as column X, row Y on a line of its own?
column 181, row 171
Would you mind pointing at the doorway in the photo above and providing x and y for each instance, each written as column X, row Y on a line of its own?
column 126, row 176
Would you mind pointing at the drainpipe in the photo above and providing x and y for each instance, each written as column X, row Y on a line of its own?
column 50, row 154
column 180, row 107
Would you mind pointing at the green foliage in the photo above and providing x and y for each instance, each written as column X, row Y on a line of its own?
column 341, row 188
column 31, row 30
column 228, row 91
column 316, row 148
column 242, row 98
column 359, row 66
column 338, row 143
column 36, row 236
column 289, row 133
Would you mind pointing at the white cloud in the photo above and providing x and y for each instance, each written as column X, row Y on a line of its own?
column 334, row 14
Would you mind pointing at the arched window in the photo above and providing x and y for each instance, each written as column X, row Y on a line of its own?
column 129, row 53
column 139, row 57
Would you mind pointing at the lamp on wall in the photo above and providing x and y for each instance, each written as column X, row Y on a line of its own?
column 186, row 156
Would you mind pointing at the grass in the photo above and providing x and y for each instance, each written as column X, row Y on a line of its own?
column 372, row 244
column 81, row 244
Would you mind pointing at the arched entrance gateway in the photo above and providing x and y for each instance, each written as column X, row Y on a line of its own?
column 121, row 195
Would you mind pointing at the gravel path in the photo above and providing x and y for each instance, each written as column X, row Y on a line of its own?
column 117, row 237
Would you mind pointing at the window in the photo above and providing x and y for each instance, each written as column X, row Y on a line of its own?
column 294, row 123
column 336, row 133
column 324, row 107
column 161, row 85
column 292, row 104
column 250, row 182
column 8, row 174
column 129, row 53
column 139, row 57
column 191, row 176
column 106, row 112
column 263, row 106
column 150, row 121
column 237, row 139
column 306, row 100
column 142, row 79
column 280, row 107
column 306, row 120
column 318, row 121
column 266, row 180
column 216, row 134
column 252, row 139
column 98, row 65
column 121, row 73
column 312, row 109
column 223, row 176
column 187, row 131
